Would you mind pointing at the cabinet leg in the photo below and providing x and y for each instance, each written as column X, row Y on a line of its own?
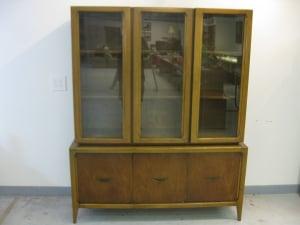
column 75, row 213
column 239, row 206
column 239, row 210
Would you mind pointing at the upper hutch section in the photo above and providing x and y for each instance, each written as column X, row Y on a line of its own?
column 160, row 99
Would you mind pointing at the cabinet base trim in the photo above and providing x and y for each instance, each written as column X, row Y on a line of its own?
column 159, row 205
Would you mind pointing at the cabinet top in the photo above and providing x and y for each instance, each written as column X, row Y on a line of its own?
column 162, row 9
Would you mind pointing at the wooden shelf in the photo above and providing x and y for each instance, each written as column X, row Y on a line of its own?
column 112, row 97
column 217, row 133
column 107, row 94
column 227, row 53
column 159, row 132
column 215, row 95
column 162, row 97
column 98, row 51
column 103, row 132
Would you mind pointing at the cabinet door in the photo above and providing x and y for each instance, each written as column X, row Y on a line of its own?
column 162, row 64
column 104, row 178
column 101, row 74
column 213, row 177
column 159, row 178
column 220, row 76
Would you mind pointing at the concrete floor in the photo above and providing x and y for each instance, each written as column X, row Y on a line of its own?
column 258, row 209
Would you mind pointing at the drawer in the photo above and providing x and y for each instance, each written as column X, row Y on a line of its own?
column 159, row 178
column 104, row 178
column 213, row 176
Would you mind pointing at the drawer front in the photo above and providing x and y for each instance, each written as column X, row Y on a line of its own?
column 213, row 176
column 104, row 178
column 159, row 178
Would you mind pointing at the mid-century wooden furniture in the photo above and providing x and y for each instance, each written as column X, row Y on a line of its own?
column 160, row 102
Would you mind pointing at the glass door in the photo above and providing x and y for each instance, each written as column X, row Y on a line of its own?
column 221, row 64
column 162, row 64
column 101, row 73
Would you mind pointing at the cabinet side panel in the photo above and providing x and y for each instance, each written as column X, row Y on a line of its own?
column 245, row 74
column 76, row 72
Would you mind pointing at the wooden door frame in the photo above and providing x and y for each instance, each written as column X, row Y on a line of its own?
column 137, row 137
column 197, row 75
column 126, row 73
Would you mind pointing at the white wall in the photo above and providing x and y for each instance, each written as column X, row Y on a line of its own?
column 36, row 124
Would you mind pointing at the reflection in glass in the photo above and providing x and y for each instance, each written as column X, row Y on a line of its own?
column 101, row 74
column 220, row 75
column 162, row 74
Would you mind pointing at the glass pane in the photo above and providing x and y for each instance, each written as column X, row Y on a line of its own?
column 221, row 75
column 101, row 74
column 162, row 74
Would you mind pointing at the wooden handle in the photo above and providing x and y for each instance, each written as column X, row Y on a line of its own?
column 103, row 179
column 212, row 178
column 160, row 179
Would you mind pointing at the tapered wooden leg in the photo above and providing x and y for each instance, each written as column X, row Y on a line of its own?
column 239, row 210
column 73, row 186
column 239, row 206
column 75, row 213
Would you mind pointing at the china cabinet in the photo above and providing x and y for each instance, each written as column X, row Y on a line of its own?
column 159, row 107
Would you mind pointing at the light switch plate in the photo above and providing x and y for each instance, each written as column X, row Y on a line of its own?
column 59, row 83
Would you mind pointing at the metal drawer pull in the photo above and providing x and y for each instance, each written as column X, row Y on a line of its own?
column 213, row 178
column 160, row 179
column 103, row 179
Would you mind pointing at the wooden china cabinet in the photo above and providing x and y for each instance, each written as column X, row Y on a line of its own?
column 159, row 102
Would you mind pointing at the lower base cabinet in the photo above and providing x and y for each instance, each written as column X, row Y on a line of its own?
column 157, row 177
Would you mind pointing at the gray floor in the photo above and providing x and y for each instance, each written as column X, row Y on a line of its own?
column 258, row 209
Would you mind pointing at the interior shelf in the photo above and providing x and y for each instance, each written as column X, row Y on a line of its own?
column 98, row 51
column 104, row 132
column 229, row 53
column 215, row 95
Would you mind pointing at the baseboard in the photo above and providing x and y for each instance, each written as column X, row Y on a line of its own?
column 66, row 191
column 35, row 190
column 273, row 189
